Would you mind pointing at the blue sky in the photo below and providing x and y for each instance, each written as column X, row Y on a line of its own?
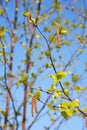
column 66, row 51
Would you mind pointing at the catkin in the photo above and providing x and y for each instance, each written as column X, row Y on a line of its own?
column 36, row 110
column 34, row 106
column 86, row 122
column 28, row 18
column 58, row 38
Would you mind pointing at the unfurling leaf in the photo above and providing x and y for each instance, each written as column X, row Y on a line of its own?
column 38, row 94
column 52, row 88
column 25, row 14
column 63, row 31
column 24, row 78
column 34, row 106
column 58, row 38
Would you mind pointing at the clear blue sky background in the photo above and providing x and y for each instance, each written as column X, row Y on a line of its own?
column 75, row 123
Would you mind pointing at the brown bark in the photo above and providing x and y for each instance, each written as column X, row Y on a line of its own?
column 7, row 105
column 10, row 81
column 10, row 68
column 25, row 88
column 28, row 66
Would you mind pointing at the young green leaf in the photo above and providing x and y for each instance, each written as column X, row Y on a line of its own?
column 23, row 79
column 63, row 31
column 75, row 78
column 38, row 94
column 84, row 109
column 2, row 31
column 78, row 89
column 50, row 106
column 66, row 83
column 66, row 91
column 47, row 53
column 52, row 88
column 57, row 93
column 58, row 76
column 25, row 14
column 34, row 75
column 67, row 113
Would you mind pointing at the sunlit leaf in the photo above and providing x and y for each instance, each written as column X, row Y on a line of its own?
column 25, row 14
column 50, row 106
column 84, row 109
column 58, row 76
column 66, row 91
column 63, row 31
column 52, row 88
column 74, row 104
column 30, row 95
column 67, row 112
column 57, row 93
column 23, row 79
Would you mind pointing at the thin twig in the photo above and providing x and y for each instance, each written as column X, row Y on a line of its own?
column 56, row 71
